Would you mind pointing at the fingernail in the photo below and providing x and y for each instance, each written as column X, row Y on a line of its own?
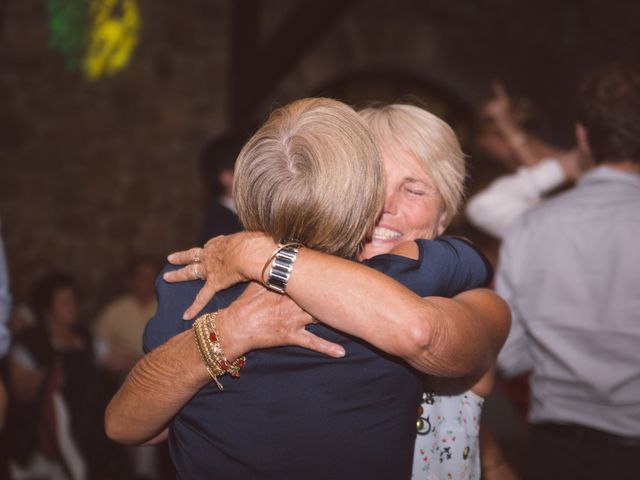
column 170, row 258
column 185, row 316
column 339, row 352
column 165, row 275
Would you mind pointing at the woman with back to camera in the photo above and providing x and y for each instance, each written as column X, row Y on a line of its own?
column 425, row 172
column 322, row 403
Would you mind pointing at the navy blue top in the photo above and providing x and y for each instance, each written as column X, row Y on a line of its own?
column 297, row 414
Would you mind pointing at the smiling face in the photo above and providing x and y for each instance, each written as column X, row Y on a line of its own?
column 413, row 206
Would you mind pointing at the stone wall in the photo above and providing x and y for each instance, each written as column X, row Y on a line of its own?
column 92, row 173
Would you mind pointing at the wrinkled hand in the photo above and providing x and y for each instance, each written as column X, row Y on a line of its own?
column 218, row 263
column 260, row 318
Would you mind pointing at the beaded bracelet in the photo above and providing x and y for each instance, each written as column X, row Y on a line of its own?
column 208, row 342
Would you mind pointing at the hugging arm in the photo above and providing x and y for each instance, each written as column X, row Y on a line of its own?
column 445, row 337
column 163, row 381
column 431, row 334
column 159, row 385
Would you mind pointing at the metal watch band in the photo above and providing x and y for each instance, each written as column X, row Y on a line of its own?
column 281, row 267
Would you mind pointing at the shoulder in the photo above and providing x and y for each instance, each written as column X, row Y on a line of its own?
column 454, row 251
column 173, row 300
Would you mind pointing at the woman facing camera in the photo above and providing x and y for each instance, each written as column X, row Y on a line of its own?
column 312, row 174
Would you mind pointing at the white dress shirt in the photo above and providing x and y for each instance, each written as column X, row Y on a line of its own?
column 494, row 209
column 570, row 270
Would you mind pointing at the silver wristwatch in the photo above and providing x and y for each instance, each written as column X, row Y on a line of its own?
column 281, row 266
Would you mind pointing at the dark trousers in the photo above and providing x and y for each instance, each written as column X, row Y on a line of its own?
column 573, row 452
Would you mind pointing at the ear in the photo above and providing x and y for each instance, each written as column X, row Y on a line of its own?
column 582, row 139
column 442, row 222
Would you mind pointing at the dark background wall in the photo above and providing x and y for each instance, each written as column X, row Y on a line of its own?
column 93, row 172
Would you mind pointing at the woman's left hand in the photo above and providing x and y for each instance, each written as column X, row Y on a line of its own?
column 260, row 318
column 224, row 261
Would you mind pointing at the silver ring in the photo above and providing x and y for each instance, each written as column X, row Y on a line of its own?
column 196, row 274
column 196, row 259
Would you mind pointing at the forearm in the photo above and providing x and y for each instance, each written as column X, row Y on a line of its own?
column 156, row 389
column 431, row 334
column 469, row 331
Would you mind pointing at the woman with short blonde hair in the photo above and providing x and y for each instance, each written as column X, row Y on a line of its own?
column 422, row 135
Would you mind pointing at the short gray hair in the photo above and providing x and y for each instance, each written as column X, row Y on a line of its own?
column 311, row 173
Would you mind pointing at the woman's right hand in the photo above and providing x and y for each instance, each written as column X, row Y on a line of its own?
column 260, row 318
column 224, row 261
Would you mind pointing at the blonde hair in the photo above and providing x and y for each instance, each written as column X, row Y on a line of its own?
column 313, row 174
column 428, row 139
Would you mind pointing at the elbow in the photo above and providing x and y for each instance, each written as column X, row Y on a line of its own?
column 116, row 429
column 503, row 326
column 419, row 339
column 443, row 347
column 112, row 426
column 418, row 348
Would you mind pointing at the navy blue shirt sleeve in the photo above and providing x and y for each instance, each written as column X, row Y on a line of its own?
column 446, row 266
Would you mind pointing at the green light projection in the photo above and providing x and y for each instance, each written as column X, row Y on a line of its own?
column 96, row 36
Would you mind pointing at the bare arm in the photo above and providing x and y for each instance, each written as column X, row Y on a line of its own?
column 155, row 390
column 163, row 381
column 432, row 334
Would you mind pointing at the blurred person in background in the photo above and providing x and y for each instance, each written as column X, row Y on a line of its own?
column 57, row 392
column 119, row 326
column 216, row 169
column 5, row 302
column 569, row 270
column 5, row 342
column 506, row 135
column 118, row 331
